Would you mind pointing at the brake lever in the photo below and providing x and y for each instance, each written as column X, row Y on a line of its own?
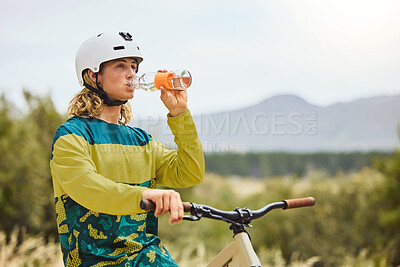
column 191, row 218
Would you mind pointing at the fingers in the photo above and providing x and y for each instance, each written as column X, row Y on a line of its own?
column 167, row 97
column 176, row 209
column 166, row 201
column 163, row 205
column 173, row 99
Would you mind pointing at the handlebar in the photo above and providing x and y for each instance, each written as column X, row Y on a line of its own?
column 299, row 202
column 239, row 215
column 150, row 205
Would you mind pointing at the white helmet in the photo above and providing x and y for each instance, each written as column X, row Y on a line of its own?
column 102, row 48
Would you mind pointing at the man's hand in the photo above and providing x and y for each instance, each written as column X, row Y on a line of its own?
column 166, row 201
column 174, row 100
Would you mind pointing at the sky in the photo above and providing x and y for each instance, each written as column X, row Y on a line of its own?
column 239, row 52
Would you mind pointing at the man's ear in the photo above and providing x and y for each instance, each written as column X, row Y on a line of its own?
column 92, row 75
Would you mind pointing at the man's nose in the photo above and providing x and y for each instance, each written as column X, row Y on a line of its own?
column 131, row 73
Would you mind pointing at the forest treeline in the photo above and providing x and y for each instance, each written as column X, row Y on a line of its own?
column 356, row 218
column 263, row 164
column 26, row 194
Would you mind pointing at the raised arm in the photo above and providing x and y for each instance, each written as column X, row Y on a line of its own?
column 184, row 166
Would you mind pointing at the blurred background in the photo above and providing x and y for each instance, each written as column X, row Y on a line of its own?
column 290, row 98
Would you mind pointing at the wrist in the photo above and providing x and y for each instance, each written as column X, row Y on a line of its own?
column 177, row 112
column 145, row 193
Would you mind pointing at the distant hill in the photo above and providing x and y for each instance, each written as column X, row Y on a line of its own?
column 289, row 123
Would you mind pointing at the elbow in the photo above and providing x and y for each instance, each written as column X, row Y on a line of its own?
column 198, row 179
column 199, row 174
column 192, row 176
column 190, row 171
column 202, row 172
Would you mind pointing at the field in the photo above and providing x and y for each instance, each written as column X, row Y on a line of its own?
column 344, row 228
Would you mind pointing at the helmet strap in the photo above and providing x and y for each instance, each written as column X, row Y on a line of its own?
column 103, row 95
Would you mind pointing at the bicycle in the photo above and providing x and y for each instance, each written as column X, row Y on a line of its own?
column 240, row 251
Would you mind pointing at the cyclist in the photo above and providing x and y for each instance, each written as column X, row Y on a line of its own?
column 102, row 168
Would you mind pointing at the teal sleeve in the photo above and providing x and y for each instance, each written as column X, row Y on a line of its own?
column 184, row 166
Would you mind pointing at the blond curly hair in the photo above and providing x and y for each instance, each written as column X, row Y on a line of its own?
column 87, row 104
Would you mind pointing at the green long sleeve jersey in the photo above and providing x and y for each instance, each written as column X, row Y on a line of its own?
column 99, row 172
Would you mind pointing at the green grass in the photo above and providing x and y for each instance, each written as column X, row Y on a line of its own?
column 346, row 227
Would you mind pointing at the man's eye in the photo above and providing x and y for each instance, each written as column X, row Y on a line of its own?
column 120, row 66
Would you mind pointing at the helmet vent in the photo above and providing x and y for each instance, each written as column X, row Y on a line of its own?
column 119, row 47
column 126, row 35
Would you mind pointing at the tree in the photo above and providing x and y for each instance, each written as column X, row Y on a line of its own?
column 26, row 198
column 389, row 215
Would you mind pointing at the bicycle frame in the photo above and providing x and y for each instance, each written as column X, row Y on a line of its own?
column 238, row 253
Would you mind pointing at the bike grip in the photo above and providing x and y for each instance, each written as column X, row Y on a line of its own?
column 150, row 205
column 299, row 202
column 186, row 206
column 147, row 205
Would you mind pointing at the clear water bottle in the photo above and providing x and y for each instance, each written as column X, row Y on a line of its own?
column 152, row 81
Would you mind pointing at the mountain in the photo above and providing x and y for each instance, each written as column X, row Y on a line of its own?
column 289, row 123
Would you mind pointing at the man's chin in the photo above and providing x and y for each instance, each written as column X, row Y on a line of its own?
column 130, row 96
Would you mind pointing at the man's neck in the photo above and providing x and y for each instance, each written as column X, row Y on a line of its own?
column 110, row 114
